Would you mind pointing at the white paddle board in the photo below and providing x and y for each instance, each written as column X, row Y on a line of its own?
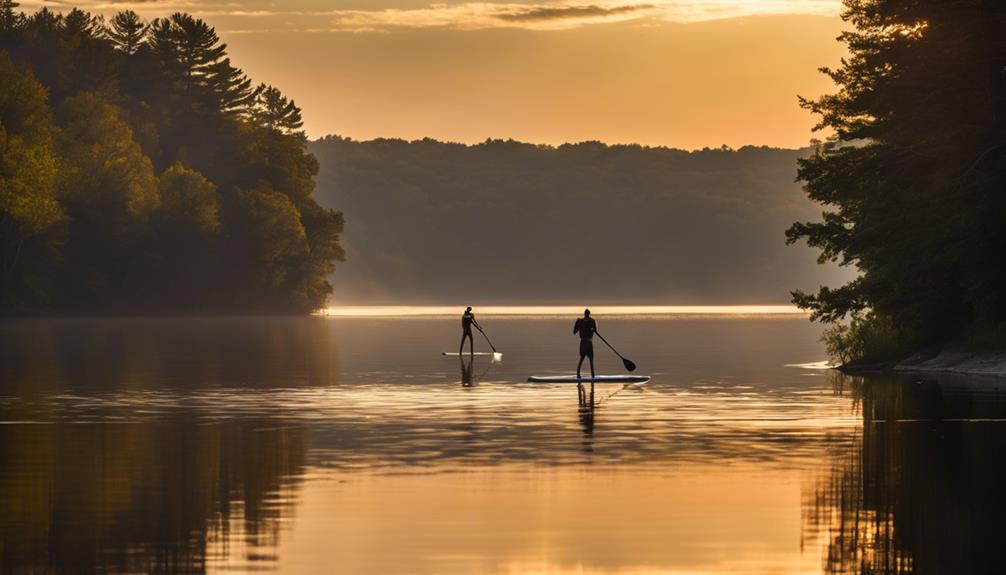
column 588, row 379
column 465, row 354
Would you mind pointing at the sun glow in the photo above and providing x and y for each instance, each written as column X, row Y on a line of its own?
column 616, row 310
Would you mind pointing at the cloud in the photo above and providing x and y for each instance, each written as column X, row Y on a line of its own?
column 256, row 16
column 568, row 12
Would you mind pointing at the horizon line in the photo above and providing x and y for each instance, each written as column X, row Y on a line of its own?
column 558, row 310
column 811, row 144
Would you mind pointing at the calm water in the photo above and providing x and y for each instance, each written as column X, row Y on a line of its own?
column 349, row 445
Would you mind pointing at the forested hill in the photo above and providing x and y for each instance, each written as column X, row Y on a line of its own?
column 142, row 171
column 509, row 222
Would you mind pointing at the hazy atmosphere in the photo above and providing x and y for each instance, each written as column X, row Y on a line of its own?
column 505, row 222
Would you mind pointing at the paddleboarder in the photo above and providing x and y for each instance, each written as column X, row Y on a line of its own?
column 467, row 321
column 586, row 327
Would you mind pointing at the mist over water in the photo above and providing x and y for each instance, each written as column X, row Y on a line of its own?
column 350, row 445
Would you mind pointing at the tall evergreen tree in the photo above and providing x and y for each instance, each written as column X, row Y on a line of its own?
column 81, row 24
column 127, row 31
column 192, row 48
column 11, row 20
column 914, row 180
column 272, row 109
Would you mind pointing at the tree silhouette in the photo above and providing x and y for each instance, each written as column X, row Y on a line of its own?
column 127, row 31
column 164, row 161
column 914, row 178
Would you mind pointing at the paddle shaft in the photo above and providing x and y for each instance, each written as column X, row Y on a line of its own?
column 478, row 327
column 629, row 365
column 608, row 344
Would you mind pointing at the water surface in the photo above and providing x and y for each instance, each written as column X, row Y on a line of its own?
column 349, row 445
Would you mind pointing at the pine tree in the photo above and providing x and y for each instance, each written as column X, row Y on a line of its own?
column 127, row 31
column 44, row 21
column 193, row 50
column 914, row 182
column 270, row 108
column 81, row 24
column 11, row 20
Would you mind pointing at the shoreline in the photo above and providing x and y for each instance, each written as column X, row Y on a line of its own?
column 946, row 361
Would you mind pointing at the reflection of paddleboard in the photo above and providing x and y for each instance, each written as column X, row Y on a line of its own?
column 588, row 379
column 455, row 354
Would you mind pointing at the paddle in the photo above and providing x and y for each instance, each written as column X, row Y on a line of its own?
column 628, row 363
column 496, row 355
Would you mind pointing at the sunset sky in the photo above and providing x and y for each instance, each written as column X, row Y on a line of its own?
column 681, row 73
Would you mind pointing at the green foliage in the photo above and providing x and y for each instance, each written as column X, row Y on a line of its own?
column 866, row 336
column 915, row 202
column 273, row 243
column 104, row 176
column 108, row 189
column 189, row 203
column 132, row 99
column 30, row 216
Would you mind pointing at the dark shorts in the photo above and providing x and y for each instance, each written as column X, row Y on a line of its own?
column 466, row 332
column 587, row 349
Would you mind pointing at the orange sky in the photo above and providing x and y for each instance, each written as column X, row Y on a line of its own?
column 681, row 73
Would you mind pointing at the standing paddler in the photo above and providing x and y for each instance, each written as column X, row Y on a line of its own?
column 467, row 321
column 586, row 327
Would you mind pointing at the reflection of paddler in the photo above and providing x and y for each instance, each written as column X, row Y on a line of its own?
column 586, row 327
column 467, row 321
column 467, row 371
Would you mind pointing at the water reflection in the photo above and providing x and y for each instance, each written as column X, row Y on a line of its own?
column 163, row 497
column 921, row 491
column 199, row 445
column 104, row 469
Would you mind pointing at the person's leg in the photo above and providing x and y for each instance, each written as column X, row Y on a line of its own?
column 591, row 356
column 461, row 348
column 471, row 344
column 578, row 364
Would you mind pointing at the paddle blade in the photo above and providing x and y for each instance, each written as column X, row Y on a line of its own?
column 629, row 365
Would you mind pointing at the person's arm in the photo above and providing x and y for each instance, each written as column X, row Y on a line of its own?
column 475, row 323
column 576, row 326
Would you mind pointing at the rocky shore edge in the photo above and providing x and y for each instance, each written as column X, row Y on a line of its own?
column 937, row 361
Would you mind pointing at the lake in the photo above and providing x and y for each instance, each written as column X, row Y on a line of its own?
column 345, row 443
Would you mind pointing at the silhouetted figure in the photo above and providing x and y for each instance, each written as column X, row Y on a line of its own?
column 586, row 327
column 467, row 321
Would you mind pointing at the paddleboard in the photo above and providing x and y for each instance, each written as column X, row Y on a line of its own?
column 466, row 354
column 588, row 379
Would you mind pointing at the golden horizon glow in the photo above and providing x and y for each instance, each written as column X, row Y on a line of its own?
column 263, row 16
column 518, row 310
column 686, row 74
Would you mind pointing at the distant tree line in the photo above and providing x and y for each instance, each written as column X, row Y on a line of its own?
column 915, row 179
column 511, row 222
column 140, row 170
